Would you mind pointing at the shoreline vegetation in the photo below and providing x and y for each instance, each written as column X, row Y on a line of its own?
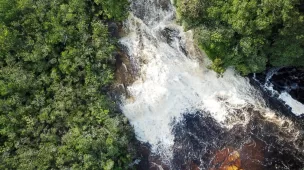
column 55, row 71
column 247, row 35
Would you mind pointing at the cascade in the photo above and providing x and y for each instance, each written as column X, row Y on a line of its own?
column 174, row 88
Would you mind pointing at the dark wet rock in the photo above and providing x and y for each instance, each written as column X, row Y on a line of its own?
column 113, row 29
column 183, row 49
column 123, row 76
column 149, row 161
column 260, row 145
column 169, row 34
column 164, row 4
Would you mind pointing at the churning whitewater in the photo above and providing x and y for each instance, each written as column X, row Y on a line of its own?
column 172, row 79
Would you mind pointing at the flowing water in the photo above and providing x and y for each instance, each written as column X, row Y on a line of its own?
column 286, row 84
column 188, row 115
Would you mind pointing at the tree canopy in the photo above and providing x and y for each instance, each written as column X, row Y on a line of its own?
column 54, row 75
column 247, row 34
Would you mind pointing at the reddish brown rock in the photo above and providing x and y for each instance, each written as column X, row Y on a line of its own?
column 249, row 157
column 226, row 159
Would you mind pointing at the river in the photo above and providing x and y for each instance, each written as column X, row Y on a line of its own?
column 188, row 116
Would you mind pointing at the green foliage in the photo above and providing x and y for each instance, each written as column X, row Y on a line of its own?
column 113, row 8
column 247, row 34
column 217, row 66
column 54, row 74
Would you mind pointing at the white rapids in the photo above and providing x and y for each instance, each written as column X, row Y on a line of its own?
column 297, row 107
column 171, row 82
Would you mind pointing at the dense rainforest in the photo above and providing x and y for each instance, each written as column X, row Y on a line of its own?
column 55, row 72
column 248, row 35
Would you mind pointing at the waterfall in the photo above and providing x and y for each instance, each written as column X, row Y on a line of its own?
column 172, row 79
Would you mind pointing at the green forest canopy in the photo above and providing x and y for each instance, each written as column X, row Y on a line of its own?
column 54, row 65
column 247, row 34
